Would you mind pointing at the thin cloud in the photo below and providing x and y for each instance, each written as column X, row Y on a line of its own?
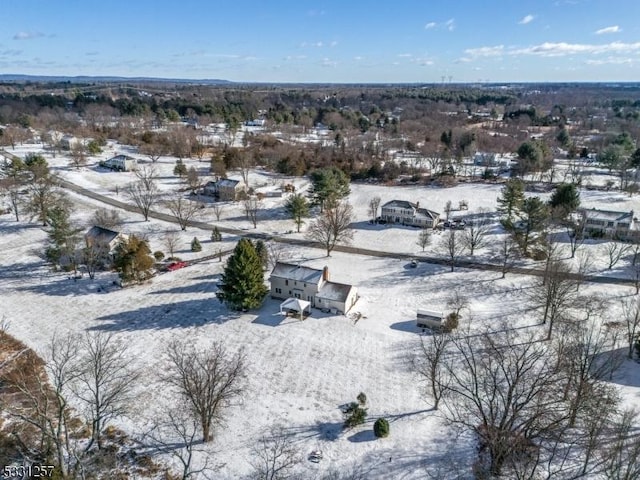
column 405, row 55
column 27, row 35
column 430, row 25
column 494, row 51
column 560, row 49
column 449, row 25
column 526, row 19
column 611, row 61
column 326, row 62
column 612, row 29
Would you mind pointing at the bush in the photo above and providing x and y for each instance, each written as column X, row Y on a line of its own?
column 362, row 398
column 158, row 255
column 451, row 322
column 216, row 236
column 195, row 245
column 381, row 428
column 354, row 415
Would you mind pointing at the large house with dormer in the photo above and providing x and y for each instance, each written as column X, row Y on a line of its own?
column 408, row 213
column 312, row 285
column 609, row 223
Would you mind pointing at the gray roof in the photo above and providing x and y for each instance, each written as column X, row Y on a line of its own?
column 609, row 215
column 407, row 205
column 101, row 235
column 227, row 182
column 296, row 272
column 337, row 292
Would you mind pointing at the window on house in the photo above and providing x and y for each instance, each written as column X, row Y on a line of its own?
column 278, row 290
column 286, row 282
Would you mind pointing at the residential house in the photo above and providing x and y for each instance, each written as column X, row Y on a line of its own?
column 67, row 142
column 608, row 223
column 121, row 163
column 312, row 285
column 225, row 189
column 407, row 213
column 103, row 238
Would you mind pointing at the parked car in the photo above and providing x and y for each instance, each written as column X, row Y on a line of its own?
column 176, row 266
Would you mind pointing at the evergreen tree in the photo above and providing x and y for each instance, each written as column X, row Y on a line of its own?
column 195, row 245
column 534, row 215
column 511, row 198
column 216, row 236
column 261, row 250
column 565, row 199
column 180, row 169
column 242, row 286
column 62, row 234
column 297, row 207
column 328, row 186
column 381, row 428
column 133, row 260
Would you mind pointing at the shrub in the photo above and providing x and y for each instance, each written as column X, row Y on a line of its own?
column 451, row 322
column 195, row 245
column 354, row 415
column 362, row 398
column 216, row 236
column 158, row 255
column 381, row 428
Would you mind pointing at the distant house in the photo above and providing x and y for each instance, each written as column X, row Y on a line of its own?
column 312, row 285
column 407, row 213
column 67, row 142
column 120, row 163
column 225, row 189
column 103, row 238
column 608, row 223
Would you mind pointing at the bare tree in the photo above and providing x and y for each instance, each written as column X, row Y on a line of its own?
column 555, row 296
column 193, row 179
column 631, row 312
column 507, row 254
column 217, row 208
column 93, row 257
column 452, row 247
column 424, row 238
column 182, row 208
column 615, row 251
column 244, row 161
column 475, row 233
column 104, row 382
column 428, row 363
column 78, row 155
column 332, row 226
column 209, row 380
column 154, row 150
column 171, row 240
column 585, row 265
column 374, row 204
column 275, row 456
column 179, row 422
column 251, row 207
column 144, row 192
column 575, row 233
column 275, row 254
column 11, row 188
column 623, row 451
column 106, row 218
column 447, row 209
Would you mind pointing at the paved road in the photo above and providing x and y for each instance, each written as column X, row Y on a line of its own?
column 340, row 248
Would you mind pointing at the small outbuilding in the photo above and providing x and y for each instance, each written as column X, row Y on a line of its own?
column 296, row 305
column 429, row 319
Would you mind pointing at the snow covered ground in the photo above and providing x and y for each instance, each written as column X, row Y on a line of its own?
column 299, row 372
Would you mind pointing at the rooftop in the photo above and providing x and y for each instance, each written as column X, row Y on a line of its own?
column 334, row 291
column 296, row 272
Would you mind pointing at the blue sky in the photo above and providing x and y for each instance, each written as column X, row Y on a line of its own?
column 325, row 41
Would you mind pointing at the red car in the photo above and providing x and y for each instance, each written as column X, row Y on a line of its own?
column 176, row 266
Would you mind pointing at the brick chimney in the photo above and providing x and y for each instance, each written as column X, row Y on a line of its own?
column 325, row 274
column 417, row 205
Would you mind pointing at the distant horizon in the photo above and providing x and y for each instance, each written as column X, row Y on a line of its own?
column 409, row 41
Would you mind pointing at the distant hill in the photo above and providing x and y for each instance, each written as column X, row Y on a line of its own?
column 106, row 79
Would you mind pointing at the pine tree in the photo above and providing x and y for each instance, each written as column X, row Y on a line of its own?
column 511, row 198
column 195, row 245
column 534, row 216
column 261, row 250
column 180, row 170
column 242, row 286
column 297, row 207
column 62, row 234
column 215, row 235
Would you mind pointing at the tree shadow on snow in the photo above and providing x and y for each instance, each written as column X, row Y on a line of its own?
column 362, row 436
column 189, row 313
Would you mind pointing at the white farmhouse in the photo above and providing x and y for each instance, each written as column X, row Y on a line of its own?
column 407, row 213
column 608, row 223
column 312, row 285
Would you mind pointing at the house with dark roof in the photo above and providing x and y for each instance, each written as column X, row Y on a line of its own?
column 104, row 239
column 408, row 213
column 225, row 189
column 312, row 285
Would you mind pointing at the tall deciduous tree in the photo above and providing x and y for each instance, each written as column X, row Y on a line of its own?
column 374, row 205
column 452, row 247
column 332, row 226
column 242, row 284
column 144, row 192
column 182, row 208
column 208, row 380
column 297, row 207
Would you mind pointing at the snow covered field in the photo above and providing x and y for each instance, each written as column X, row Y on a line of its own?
column 299, row 372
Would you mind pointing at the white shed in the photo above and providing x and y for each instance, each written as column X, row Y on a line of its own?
column 297, row 305
column 429, row 319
